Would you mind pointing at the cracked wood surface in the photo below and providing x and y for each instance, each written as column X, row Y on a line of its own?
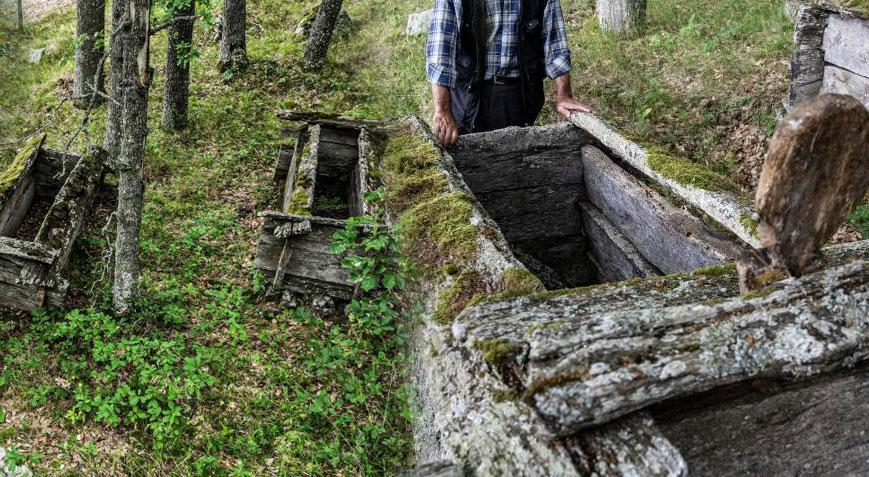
column 586, row 358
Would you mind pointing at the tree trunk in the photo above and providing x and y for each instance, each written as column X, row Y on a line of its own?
column 621, row 16
column 136, row 82
column 114, row 124
column 321, row 34
column 178, row 72
column 233, row 46
column 90, row 31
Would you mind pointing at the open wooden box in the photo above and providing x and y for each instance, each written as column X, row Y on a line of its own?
column 44, row 198
column 320, row 182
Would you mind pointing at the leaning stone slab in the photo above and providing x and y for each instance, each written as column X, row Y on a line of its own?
column 581, row 366
column 724, row 207
column 417, row 23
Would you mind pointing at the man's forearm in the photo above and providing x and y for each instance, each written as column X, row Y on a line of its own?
column 442, row 102
column 562, row 87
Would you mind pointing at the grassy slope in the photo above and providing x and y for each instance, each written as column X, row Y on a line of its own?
column 702, row 81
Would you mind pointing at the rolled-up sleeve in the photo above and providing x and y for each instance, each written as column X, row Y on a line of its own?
column 441, row 47
column 555, row 48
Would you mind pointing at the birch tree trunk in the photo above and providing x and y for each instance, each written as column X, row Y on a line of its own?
column 176, row 97
column 621, row 16
column 90, row 34
column 321, row 34
column 233, row 45
column 114, row 121
column 136, row 82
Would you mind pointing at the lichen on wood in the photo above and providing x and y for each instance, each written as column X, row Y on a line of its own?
column 19, row 163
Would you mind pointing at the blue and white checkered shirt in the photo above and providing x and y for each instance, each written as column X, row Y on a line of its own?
column 502, row 21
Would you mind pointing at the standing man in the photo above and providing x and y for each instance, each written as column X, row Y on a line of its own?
column 487, row 60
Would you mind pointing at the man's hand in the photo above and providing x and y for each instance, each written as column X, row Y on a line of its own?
column 565, row 106
column 564, row 102
column 444, row 124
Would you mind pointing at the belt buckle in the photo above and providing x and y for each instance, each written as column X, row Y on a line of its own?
column 498, row 80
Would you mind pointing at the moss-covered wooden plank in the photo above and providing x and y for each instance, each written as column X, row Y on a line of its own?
column 707, row 191
column 581, row 366
column 17, row 186
column 669, row 237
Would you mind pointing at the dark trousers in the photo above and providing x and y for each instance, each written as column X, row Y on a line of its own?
column 500, row 107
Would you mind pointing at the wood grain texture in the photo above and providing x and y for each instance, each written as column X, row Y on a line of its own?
column 614, row 256
column 775, row 428
column 670, row 238
column 846, row 44
column 581, row 366
column 841, row 81
column 816, row 171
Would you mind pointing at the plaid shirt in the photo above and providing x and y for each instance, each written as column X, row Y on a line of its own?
column 502, row 22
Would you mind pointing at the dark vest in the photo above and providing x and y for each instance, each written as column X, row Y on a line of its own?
column 471, row 65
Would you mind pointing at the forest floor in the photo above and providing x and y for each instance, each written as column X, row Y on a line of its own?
column 253, row 389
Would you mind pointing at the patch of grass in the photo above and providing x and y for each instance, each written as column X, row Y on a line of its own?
column 859, row 219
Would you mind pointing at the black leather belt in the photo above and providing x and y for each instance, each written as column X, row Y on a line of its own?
column 499, row 80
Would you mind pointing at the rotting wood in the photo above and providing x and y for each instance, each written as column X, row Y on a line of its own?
column 465, row 415
column 670, row 238
column 336, row 120
column 721, row 206
column 846, row 44
column 18, row 189
column 807, row 64
column 615, row 258
column 589, row 366
column 815, row 173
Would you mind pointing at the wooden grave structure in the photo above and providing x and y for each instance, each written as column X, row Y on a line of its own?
column 669, row 359
column 320, row 181
column 45, row 196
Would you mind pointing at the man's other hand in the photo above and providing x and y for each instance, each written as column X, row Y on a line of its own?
column 565, row 106
column 445, row 128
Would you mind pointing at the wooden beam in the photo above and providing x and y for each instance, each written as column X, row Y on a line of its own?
column 846, row 44
column 583, row 365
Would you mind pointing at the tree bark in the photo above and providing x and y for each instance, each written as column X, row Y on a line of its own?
column 114, row 121
column 177, row 92
column 136, row 82
column 621, row 16
column 233, row 43
column 321, row 34
column 90, row 34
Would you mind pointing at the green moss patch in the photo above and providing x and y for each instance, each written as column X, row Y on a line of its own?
column 687, row 172
column 467, row 287
column 299, row 203
column 497, row 351
column 749, row 225
column 8, row 177
column 857, row 7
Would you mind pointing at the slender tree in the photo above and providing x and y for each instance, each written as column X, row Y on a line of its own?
column 135, row 83
column 178, row 68
column 321, row 34
column 90, row 33
column 621, row 16
column 114, row 121
column 233, row 44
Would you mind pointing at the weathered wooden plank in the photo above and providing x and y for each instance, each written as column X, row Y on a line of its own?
column 435, row 469
column 303, row 180
column 670, row 238
column 597, row 366
column 721, row 206
column 371, row 147
column 51, row 171
column 841, row 81
column 612, row 450
column 334, row 120
column 775, row 428
column 36, row 252
column 65, row 218
column 17, row 206
column 341, row 136
column 815, row 173
column 614, row 255
column 534, row 212
column 846, row 44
